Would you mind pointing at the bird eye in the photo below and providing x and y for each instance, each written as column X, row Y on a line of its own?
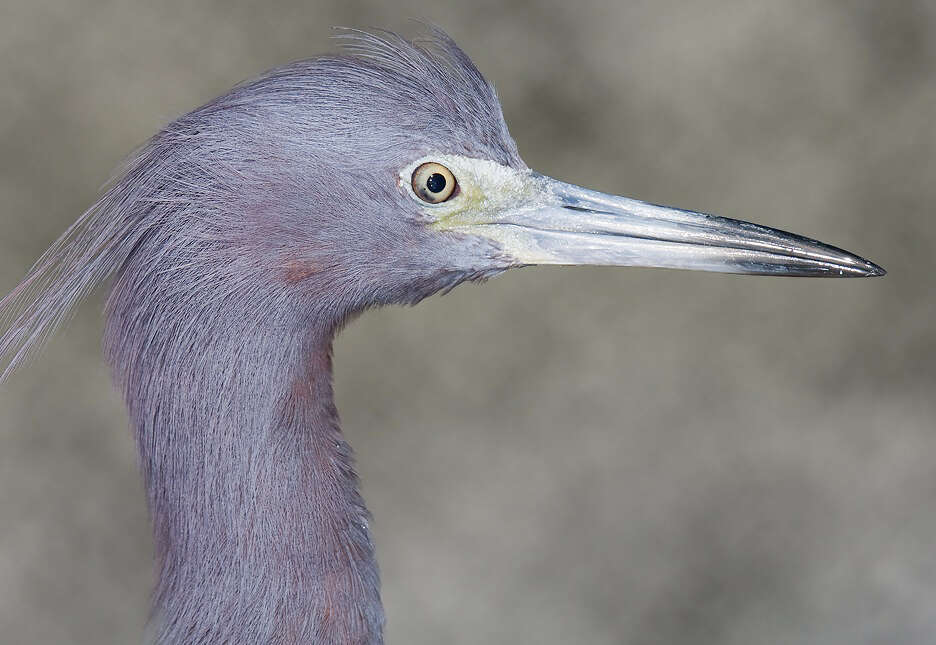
column 433, row 182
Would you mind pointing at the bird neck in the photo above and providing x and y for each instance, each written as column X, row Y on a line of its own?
column 261, row 535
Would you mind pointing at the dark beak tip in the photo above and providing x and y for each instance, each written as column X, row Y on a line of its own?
column 875, row 271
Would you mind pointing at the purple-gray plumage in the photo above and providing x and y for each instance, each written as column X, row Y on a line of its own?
column 244, row 235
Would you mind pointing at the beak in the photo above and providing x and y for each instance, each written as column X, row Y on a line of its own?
column 568, row 224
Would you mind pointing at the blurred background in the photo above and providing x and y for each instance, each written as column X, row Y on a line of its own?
column 563, row 455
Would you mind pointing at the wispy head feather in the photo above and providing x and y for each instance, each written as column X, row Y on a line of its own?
column 85, row 255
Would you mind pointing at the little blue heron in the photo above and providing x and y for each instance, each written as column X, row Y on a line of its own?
column 245, row 234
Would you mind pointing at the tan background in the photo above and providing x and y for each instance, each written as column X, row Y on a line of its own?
column 561, row 456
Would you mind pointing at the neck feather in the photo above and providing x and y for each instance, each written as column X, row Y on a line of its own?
column 261, row 534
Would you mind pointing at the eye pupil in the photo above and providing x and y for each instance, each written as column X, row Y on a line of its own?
column 436, row 183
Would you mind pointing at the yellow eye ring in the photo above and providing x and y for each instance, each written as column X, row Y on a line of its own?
column 434, row 183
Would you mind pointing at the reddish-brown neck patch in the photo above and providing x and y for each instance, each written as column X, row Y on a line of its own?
column 298, row 270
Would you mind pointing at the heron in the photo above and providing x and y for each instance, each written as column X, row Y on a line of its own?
column 244, row 235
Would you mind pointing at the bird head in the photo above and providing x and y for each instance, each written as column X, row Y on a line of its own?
column 381, row 175
column 405, row 182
